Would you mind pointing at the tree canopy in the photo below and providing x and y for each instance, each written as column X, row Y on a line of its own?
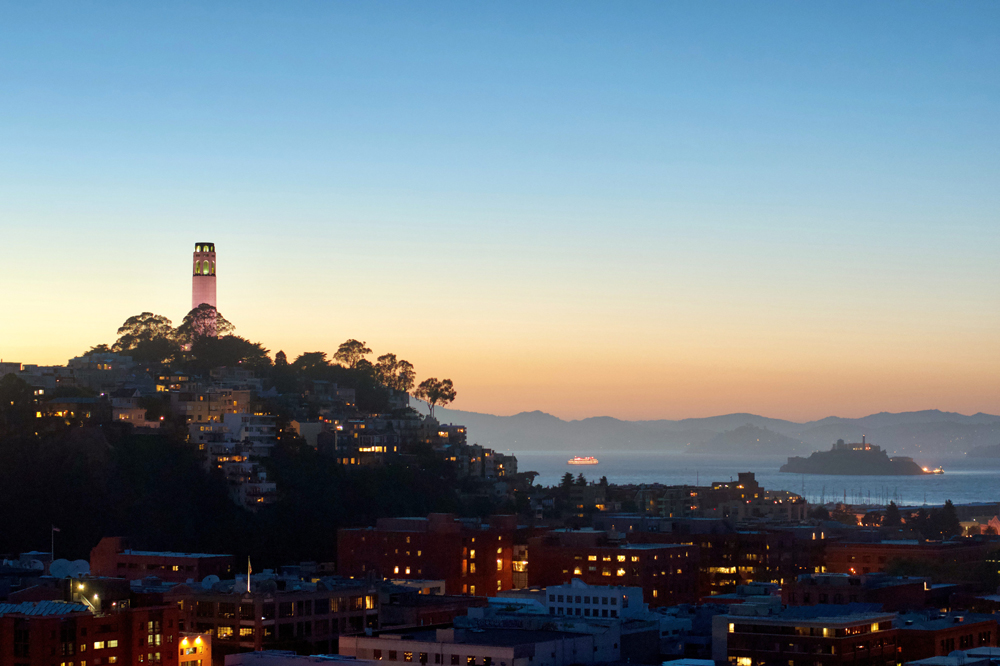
column 394, row 373
column 435, row 392
column 230, row 351
column 147, row 338
column 203, row 321
column 351, row 352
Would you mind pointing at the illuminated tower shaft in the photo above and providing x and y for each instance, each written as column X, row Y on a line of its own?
column 203, row 281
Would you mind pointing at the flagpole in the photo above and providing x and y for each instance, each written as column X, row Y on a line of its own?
column 249, row 570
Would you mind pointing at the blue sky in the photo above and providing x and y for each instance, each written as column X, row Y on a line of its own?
column 502, row 192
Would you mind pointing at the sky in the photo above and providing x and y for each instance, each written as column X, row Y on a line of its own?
column 642, row 210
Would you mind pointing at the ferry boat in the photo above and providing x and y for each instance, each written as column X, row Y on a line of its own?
column 577, row 460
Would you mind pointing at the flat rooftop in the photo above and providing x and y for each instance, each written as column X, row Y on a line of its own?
column 494, row 637
column 168, row 553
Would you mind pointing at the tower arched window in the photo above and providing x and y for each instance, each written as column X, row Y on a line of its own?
column 197, row 248
column 197, row 267
column 204, row 268
column 213, row 268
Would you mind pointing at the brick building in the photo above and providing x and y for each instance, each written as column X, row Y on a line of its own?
column 863, row 558
column 471, row 558
column 276, row 613
column 113, row 558
column 805, row 636
column 939, row 635
column 667, row 573
column 894, row 593
column 728, row 558
column 53, row 633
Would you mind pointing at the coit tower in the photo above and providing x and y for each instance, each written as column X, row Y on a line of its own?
column 203, row 282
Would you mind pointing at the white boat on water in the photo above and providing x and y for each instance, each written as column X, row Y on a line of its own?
column 577, row 460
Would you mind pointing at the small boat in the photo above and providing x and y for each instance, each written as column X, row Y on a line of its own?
column 936, row 470
column 577, row 460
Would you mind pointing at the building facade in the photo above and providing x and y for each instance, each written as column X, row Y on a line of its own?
column 471, row 558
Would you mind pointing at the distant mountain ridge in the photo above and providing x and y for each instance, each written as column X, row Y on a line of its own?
column 907, row 433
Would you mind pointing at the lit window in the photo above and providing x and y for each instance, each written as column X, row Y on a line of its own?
column 621, row 558
column 621, row 572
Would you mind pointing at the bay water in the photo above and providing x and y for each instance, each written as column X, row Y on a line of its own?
column 965, row 481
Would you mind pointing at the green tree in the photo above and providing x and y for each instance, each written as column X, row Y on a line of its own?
column 280, row 359
column 581, row 480
column 394, row 373
column 567, row 482
column 98, row 349
column 820, row 513
column 892, row 517
column 203, row 321
column 406, row 377
column 943, row 522
column 147, row 338
column 311, row 364
column 351, row 352
column 435, row 392
column 229, row 351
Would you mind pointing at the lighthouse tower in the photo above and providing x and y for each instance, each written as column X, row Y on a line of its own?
column 203, row 281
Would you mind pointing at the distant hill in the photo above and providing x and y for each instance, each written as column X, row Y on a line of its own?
column 908, row 433
column 991, row 451
column 752, row 440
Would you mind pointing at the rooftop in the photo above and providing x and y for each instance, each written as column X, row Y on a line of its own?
column 924, row 622
column 43, row 608
column 493, row 637
column 167, row 553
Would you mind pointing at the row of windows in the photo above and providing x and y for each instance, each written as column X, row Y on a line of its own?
column 422, row 657
column 604, row 601
column 97, row 661
column 584, row 612
column 204, row 268
column 285, row 609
